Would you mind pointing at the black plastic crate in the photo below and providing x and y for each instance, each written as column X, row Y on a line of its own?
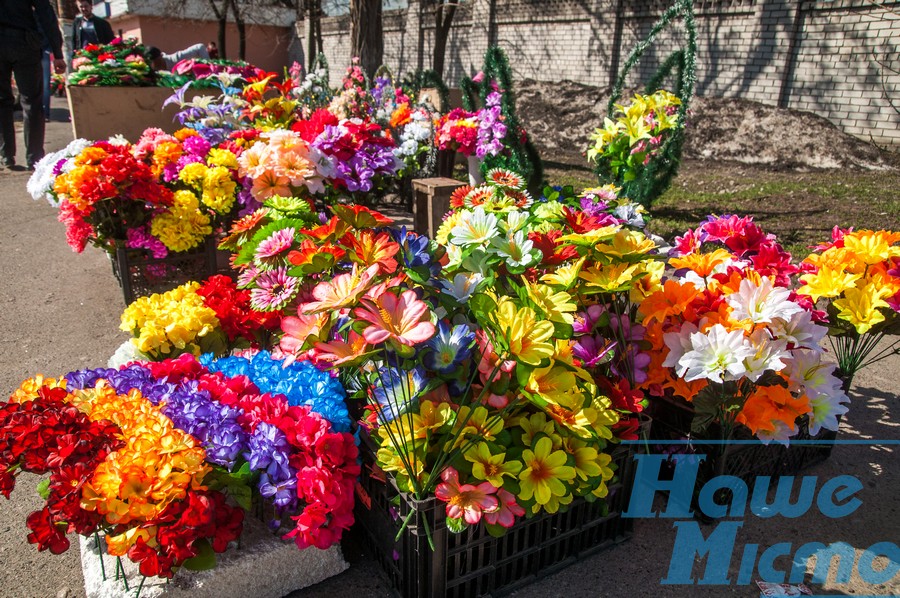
column 141, row 275
column 672, row 418
column 474, row 563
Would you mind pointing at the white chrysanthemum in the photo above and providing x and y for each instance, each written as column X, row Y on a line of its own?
column 475, row 228
column 761, row 303
column 781, row 434
column 678, row 343
column 768, row 354
column 800, row 331
column 717, row 355
column 462, row 286
column 118, row 140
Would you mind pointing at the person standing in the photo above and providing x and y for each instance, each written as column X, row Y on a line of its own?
column 20, row 57
column 89, row 29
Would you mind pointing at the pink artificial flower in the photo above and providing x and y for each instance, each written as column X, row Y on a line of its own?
column 507, row 512
column 490, row 360
column 688, row 243
column 466, row 501
column 341, row 291
column 396, row 318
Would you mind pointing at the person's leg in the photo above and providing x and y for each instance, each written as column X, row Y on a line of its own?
column 29, row 79
column 45, row 64
column 7, row 124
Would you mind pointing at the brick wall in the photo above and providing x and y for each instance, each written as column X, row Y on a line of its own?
column 815, row 55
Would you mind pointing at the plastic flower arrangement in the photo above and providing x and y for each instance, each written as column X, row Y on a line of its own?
column 456, row 387
column 413, row 130
column 155, row 456
column 622, row 148
column 269, row 103
column 457, row 131
column 857, row 276
column 575, row 258
column 105, row 191
column 732, row 338
column 203, row 72
column 120, row 62
column 312, row 90
column 117, row 465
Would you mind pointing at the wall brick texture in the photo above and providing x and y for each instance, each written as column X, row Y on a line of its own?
column 839, row 58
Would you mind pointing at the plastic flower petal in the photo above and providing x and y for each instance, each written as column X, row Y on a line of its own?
column 403, row 319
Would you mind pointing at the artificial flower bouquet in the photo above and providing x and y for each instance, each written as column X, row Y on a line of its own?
column 857, row 277
column 202, row 72
column 580, row 258
column 623, row 148
column 311, row 90
column 214, row 317
column 164, row 458
column 732, row 338
column 457, row 131
column 166, row 193
column 120, row 62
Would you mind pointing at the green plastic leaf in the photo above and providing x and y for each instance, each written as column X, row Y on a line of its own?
column 43, row 489
column 205, row 559
column 496, row 531
column 241, row 495
column 456, row 525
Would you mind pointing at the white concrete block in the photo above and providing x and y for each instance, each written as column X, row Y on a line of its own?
column 263, row 567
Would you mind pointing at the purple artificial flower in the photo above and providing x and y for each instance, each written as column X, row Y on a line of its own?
column 196, row 145
column 593, row 350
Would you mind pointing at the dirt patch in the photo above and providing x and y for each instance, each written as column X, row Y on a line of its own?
column 560, row 117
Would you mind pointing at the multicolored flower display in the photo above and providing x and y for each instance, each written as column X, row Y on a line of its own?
column 730, row 336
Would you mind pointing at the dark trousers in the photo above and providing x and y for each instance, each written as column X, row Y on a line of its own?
column 20, row 56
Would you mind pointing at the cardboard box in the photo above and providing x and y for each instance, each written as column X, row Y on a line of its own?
column 100, row 112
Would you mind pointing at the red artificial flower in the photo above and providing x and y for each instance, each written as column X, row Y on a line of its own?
column 45, row 533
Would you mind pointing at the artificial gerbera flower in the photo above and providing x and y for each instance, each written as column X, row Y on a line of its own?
column 506, row 179
column 465, row 500
column 274, row 290
column 402, row 319
column 270, row 251
column 395, row 391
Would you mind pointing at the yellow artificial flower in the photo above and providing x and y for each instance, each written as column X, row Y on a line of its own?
column 555, row 384
column 28, row 390
column 626, row 244
column 557, row 306
column 537, row 423
column 491, row 468
column 827, row 283
column 564, row 276
column 872, row 247
column 527, row 338
column 218, row 189
column 193, row 173
column 611, row 278
column 545, row 475
column 222, row 157
column 860, row 306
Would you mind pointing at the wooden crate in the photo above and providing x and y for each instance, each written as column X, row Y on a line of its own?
column 100, row 112
column 431, row 200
